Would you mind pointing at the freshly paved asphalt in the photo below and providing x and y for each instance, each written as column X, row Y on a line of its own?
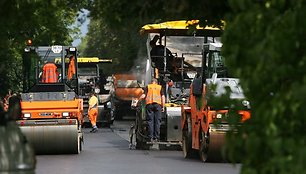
column 107, row 151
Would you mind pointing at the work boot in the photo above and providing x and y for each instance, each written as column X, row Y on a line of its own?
column 156, row 139
column 94, row 130
column 151, row 140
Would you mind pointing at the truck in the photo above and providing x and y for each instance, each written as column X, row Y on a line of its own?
column 215, row 98
column 174, row 65
column 52, row 111
column 92, row 79
column 125, row 88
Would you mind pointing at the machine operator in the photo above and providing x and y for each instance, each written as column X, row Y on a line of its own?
column 49, row 74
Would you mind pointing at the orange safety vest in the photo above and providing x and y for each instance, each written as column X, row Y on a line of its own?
column 153, row 94
column 49, row 73
column 71, row 69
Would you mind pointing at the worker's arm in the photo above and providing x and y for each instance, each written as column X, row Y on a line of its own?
column 89, row 104
column 143, row 95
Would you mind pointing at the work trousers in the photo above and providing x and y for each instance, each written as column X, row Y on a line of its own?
column 154, row 119
column 92, row 114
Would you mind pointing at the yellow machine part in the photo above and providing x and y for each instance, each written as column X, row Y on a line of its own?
column 52, row 136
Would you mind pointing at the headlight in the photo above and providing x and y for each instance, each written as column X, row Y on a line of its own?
column 97, row 90
column 246, row 104
column 27, row 115
column 23, row 166
column 72, row 49
column 65, row 114
column 219, row 116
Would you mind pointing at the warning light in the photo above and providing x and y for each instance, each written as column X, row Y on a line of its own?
column 29, row 42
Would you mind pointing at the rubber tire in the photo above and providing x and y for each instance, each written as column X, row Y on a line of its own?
column 204, row 145
column 141, row 145
column 114, row 111
column 187, row 139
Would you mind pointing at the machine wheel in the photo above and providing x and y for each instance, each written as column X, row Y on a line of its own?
column 187, row 139
column 141, row 145
column 79, row 146
column 204, row 144
column 114, row 110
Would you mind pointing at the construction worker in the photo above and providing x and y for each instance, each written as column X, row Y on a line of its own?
column 93, row 111
column 49, row 74
column 155, row 101
column 71, row 68
column 157, row 55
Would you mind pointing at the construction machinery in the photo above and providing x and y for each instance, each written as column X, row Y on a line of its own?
column 214, row 99
column 125, row 88
column 174, row 65
column 92, row 79
column 52, row 112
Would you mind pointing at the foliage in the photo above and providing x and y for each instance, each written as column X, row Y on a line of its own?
column 118, row 45
column 264, row 45
column 120, row 22
column 45, row 22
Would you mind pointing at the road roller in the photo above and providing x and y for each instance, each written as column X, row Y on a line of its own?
column 52, row 112
column 205, row 119
column 174, row 55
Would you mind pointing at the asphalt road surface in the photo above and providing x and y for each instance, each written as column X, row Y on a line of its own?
column 107, row 151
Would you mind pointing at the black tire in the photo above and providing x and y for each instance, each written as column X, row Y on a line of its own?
column 114, row 110
column 204, row 144
column 141, row 145
column 187, row 139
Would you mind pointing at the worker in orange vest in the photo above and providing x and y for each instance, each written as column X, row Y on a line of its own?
column 155, row 101
column 71, row 68
column 93, row 111
column 49, row 74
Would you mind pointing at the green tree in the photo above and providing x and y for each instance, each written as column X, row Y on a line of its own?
column 45, row 22
column 264, row 44
column 120, row 44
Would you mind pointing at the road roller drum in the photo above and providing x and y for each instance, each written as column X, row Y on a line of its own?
column 58, row 136
column 216, row 141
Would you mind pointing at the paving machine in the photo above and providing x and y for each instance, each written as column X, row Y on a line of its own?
column 205, row 118
column 125, row 88
column 52, row 112
column 174, row 64
column 92, row 79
